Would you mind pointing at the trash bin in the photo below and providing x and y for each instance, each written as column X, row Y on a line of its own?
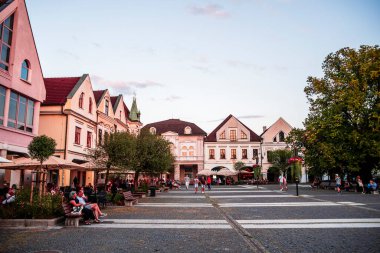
column 152, row 190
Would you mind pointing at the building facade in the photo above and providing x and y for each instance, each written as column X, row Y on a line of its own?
column 187, row 145
column 21, row 87
column 231, row 142
column 69, row 115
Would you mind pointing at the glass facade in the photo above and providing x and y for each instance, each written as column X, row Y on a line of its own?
column 21, row 112
column 6, row 32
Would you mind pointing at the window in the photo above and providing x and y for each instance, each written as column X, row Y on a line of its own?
column 222, row 153
column 152, row 130
column 281, row 136
column 233, row 153
column 81, row 100
column 255, row 153
column 25, row 67
column 77, row 135
column 2, row 104
column 211, row 153
column 232, row 135
column 187, row 130
column 275, row 139
column 243, row 135
column 21, row 112
column 106, row 107
column 244, row 154
column 191, row 151
column 100, row 136
column 222, row 135
column 6, row 31
column 120, row 115
column 90, row 105
column 184, row 151
column 89, row 139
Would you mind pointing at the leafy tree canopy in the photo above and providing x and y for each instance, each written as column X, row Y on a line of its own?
column 342, row 128
column 279, row 158
column 41, row 147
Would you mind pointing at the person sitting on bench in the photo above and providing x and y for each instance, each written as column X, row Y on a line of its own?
column 78, row 207
column 371, row 187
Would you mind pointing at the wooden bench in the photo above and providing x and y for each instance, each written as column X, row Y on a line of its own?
column 139, row 194
column 129, row 199
column 72, row 220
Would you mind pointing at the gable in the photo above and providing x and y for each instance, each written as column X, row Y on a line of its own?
column 275, row 129
column 23, row 48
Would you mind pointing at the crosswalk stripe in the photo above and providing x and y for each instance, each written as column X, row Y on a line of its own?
column 165, row 221
column 279, row 204
column 298, row 221
column 177, row 205
column 330, row 225
column 166, row 226
column 250, row 196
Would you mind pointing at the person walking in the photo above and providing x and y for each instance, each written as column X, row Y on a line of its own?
column 360, row 185
column 187, row 182
column 338, row 182
column 203, row 183
column 281, row 181
column 284, row 184
column 196, row 182
column 209, row 183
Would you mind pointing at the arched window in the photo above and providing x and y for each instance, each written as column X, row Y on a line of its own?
column 25, row 69
column 281, row 136
column 81, row 100
column 89, row 105
column 187, row 130
column 152, row 130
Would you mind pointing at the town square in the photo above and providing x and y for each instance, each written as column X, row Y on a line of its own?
column 189, row 126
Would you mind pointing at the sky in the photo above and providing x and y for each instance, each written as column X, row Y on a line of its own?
column 200, row 61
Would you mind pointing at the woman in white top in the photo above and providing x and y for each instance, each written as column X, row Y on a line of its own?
column 196, row 182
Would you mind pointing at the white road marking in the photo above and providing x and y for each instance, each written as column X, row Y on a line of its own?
column 166, row 226
column 309, row 221
column 279, row 204
column 250, row 196
column 165, row 221
column 177, row 205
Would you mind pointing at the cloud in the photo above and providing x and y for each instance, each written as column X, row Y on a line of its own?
column 212, row 10
column 240, row 117
column 240, row 64
column 96, row 45
column 123, row 86
column 172, row 98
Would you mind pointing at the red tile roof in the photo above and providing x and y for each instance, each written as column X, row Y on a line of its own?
column 175, row 125
column 57, row 89
column 212, row 136
column 98, row 94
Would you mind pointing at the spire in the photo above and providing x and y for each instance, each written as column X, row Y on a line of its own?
column 134, row 115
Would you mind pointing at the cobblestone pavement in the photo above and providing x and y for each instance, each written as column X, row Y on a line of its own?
column 225, row 219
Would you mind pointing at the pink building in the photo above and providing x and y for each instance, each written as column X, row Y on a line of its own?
column 21, row 86
column 187, row 145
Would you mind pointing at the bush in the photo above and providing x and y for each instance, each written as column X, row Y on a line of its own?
column 50, row 206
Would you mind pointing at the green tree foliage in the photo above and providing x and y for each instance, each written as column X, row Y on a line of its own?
column 238, row 165
column 279, row 158
column 342, row 128
column 296, row 139
column 41, row 147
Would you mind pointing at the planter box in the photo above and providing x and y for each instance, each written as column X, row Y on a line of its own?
column 31, row 222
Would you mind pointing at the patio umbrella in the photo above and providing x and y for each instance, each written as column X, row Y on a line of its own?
column 4, row 160
column 226, row 172
column 207, row 173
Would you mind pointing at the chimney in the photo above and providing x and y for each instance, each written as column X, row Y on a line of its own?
column 264, row 128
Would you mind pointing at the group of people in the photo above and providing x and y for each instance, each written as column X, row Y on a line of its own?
column 283, row 183
column 91, row 211
column 202, row 182
column 371, row 187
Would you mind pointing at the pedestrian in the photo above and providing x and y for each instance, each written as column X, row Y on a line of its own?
column 219, row 181
column 203, row 183
column 284, row 184
column 359, row 186
column 196, row 181
column 209, row 183
column 372, row 187
column 187, row 182
column 281, row 181
column 338, row 182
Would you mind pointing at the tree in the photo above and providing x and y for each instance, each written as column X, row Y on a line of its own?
column 238, row 166
column 342, row 128
column 41, row 148
column 279, row 158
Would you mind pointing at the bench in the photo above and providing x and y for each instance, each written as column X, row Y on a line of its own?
column 72, row 220
column 164, row 189
column 129, row 199
column 139, row 194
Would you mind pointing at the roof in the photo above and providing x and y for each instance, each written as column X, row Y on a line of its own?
column 98, row 95
column 114, row 102
column 175, row 125
column 212, row 136
column 280, row 119
column 58, row 89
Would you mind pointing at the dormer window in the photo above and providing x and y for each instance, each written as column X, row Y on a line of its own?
column 106, row 107
column 281, row 136
column 187, row 130
column 81, row 100
column 25, row 70
column 152, row 130
column 89, row 105
column 222, row 136
column 243, row 135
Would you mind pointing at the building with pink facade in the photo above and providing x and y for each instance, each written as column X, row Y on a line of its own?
column 187, row 145
column 21, row 86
